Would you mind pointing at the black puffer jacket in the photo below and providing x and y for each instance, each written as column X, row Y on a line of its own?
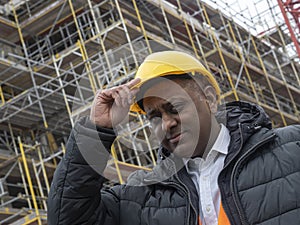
column 259, row 184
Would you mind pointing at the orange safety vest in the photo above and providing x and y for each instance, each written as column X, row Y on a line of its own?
column 223, row 219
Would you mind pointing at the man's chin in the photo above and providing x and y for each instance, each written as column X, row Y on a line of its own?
column 183, row 151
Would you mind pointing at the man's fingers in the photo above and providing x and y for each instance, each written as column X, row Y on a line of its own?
column 134, row 91
column 126, row 94
column 117, row 98
column 122, row 95
column 133, row 82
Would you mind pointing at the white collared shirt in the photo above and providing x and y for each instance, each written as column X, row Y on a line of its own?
column 204, row 174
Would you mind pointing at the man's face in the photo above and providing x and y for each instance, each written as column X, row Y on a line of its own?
column 180, row 116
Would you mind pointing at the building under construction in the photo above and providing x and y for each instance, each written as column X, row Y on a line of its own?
column 55, row 54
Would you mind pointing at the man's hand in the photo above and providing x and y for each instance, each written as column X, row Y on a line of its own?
column 111, row 106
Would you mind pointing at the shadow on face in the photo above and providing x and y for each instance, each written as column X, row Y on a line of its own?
column 180, row 115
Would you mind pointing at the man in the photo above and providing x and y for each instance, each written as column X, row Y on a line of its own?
column 225, row 166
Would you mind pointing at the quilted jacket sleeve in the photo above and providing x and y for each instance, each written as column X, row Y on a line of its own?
column 75, row 196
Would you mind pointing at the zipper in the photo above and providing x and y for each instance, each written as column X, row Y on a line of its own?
column 233, row 174
column 183, row 188
column 231, row 179
column 189, row 198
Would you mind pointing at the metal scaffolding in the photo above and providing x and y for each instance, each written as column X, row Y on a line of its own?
column 55, row 54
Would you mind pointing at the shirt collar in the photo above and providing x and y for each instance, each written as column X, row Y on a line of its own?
column 220, row 146
column 222, row 142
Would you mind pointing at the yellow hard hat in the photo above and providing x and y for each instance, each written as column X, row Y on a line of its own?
column 170, row 63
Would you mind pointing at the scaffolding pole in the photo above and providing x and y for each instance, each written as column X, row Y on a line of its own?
column 24, row 160
column 29, row 63
column 268, row 81
column 98, row 44
column 221, row 55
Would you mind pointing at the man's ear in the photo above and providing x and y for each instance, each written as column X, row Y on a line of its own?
column 211, row 98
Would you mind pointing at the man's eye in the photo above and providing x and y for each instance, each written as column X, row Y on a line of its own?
column 176, row 108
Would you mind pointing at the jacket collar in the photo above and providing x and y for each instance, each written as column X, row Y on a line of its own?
column 243, row 120
column 239, row 112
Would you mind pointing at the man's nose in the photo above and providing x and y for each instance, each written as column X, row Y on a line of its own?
column 168, row 121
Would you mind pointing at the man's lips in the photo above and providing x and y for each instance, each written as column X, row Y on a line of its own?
column 175, row 138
